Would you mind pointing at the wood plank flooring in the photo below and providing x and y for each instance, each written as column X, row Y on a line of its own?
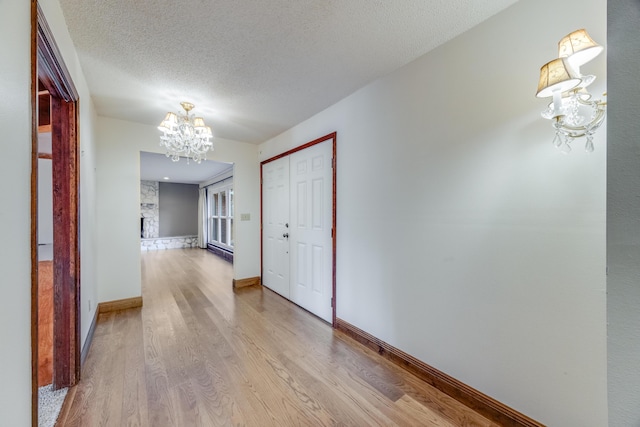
column 45, row 323
column 200, row 354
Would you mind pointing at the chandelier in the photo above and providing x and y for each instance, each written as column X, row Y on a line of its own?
column 185, row 135
column 573, row 111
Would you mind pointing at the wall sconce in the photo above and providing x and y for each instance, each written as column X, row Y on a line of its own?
column 573, row 111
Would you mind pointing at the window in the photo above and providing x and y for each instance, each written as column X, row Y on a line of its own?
column 220, row 215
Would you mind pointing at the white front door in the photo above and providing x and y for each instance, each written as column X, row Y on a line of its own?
column 275, row 223
column 297, row 206
column 311, row 243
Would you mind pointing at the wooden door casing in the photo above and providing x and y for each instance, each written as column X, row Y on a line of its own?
column 49, row 71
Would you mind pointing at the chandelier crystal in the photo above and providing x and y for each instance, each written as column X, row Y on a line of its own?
column 573, row 111
column 185, row 135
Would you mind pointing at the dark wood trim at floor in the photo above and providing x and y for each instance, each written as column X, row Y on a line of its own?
column 87, row 342
column 242, row 283
column 121, row 304
column 474, row 399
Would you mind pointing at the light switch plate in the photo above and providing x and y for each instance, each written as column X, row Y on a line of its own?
column 245, row 217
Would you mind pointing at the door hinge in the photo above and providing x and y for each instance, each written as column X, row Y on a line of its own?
column 332, row 233
column 333, row 163
column 331, row 302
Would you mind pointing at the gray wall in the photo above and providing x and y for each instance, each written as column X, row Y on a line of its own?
column 623, row 213
column 178, row 205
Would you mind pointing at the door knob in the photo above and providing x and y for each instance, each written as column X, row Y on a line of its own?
column 286, row 235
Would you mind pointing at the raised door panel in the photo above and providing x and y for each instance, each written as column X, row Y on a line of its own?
column 310, row 231
column 275, row 211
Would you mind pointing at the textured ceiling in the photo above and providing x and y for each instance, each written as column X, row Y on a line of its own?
column 252, row 68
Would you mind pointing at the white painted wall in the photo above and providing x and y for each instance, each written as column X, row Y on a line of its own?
column 623, row 214
column 119, row 145
column 15, row 229
column 15, row 213
column 464, row 237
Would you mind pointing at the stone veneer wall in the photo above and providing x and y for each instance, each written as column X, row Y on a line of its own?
column 149, row 191
column 182, row 242
column 149, row 210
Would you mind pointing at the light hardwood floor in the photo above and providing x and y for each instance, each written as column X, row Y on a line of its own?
column 200, row 354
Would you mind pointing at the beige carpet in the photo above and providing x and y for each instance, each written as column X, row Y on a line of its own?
column 49, row 404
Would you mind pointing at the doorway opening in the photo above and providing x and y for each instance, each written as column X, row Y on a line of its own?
column 186, row 205
column 55, row 324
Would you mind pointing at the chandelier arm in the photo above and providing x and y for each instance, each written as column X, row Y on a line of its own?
column 580, row 131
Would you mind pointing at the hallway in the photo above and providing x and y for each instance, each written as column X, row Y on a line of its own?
column 198, row 353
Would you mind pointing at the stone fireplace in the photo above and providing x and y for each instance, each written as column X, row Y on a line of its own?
column 149, row 213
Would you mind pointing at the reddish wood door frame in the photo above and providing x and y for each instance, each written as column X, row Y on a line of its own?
column 333, row 219
column 48, row 68
column 66, row 260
